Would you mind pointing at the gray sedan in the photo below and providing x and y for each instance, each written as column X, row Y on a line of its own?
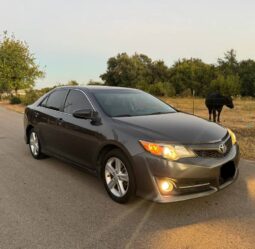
column 136, row 143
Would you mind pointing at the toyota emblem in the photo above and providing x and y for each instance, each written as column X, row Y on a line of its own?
column 222, row 149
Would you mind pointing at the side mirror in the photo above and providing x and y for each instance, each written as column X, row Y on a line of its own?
column 87, row 114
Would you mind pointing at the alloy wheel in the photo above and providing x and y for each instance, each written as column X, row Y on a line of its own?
column 116, row 177
column 34, row 143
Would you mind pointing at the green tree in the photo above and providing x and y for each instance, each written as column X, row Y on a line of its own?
column 121, row 71
column 137, row 71
column 247, row 77
column 227, row 80
column 95, row 83
column 184, row 77
column 226, row 85
column 72, row 83
column 158, row 72
column 18, row 68
column 193, row 75
column 229, row 64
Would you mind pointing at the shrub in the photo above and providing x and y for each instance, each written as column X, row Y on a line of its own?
column 169, row 90
column 186, row 93
column 156, row 90
column 227, row 85
column 142, row 86
column 14, row 100
column 162, row 89
column 30, row 97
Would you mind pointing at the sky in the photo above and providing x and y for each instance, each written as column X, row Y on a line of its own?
column 72, row 40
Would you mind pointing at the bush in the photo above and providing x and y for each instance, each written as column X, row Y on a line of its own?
column 156, row 90
column 227, row 85
column 162, row 89
column 30, row 97
column 142, row 86
column 169, row 90
column 15, row 100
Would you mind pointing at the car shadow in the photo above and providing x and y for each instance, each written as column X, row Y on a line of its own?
column 235, row 197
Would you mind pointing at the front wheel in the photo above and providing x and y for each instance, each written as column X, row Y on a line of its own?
column 118, row 176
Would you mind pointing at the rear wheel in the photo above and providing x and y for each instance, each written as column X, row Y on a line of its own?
column 34, row 145
column 118, row 176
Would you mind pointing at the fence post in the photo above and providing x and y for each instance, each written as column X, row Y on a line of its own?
column 193, row 93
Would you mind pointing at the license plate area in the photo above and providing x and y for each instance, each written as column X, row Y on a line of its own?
column 227, row 172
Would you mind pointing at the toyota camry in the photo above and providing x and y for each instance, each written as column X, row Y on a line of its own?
column 137, row 144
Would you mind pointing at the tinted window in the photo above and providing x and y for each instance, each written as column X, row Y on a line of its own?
column 44, row 102
column 75, row 101
column 131, row 103
column 56, row 99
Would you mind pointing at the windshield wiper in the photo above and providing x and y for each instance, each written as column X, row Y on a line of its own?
column 122, row 115
column 156, row 113
column 128, row 115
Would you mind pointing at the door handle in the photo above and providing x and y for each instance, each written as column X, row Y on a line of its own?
column 60, row 121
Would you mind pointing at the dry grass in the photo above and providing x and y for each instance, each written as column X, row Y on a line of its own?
column 17, row 108
column 241, row 119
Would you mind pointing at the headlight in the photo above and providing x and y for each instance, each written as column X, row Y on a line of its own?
column 171, row 152
column 232, row 135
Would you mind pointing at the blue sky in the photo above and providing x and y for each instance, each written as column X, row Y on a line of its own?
column 74, row 39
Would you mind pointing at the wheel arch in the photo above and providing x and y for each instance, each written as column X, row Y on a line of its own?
column 28, row 129
column 107, row 148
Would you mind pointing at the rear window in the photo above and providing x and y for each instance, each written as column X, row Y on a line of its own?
column 56, row 100
column 76, row 101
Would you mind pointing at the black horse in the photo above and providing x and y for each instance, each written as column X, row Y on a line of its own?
column 215, row 102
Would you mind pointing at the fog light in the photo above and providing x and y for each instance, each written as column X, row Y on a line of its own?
column 166, row 186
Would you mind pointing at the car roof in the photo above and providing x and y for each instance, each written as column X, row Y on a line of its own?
column 98, row 88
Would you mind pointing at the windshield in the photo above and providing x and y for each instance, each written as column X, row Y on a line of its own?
column 131, row 103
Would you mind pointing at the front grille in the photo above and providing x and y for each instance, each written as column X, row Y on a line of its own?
column 215, row 153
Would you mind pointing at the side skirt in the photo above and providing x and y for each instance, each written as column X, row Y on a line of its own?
column 72, row 163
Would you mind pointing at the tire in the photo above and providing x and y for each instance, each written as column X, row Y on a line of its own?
column 118, row 176
column 35, row 145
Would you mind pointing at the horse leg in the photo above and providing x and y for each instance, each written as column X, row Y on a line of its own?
column 214, row 115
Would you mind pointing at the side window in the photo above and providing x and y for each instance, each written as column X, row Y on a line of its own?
column 44, row 102
column 56, row 99
column 75, row 101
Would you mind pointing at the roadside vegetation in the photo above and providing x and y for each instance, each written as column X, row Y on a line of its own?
column 18, row 67
column 185, row 77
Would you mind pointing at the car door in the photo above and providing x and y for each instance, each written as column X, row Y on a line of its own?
column 51, row 114
column 81, row 136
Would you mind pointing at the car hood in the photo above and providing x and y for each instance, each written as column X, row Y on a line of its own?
column 176, row 127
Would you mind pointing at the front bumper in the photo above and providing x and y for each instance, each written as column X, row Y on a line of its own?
column 193, row 177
